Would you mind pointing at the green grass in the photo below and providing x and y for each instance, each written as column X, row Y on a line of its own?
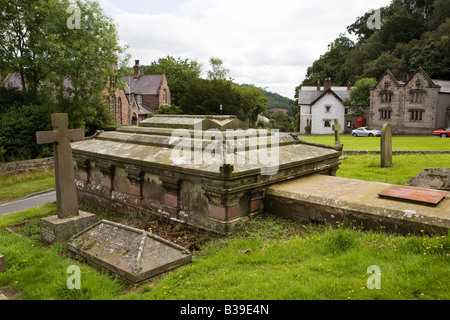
column 373, row 143
column 267, row 258
column 405, row 166
column 16, row 186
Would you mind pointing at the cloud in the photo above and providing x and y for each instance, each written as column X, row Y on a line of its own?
column 267, row 43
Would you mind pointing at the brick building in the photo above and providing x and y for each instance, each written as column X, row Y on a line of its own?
column 418, row 105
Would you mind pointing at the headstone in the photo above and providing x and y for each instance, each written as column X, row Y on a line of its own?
column 69, row 219
column 2, row 263
column 386, row 146
column 133, row 254
column 337, row 130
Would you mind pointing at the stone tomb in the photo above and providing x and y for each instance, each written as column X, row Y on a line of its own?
column 134, row 168
column 133, row 254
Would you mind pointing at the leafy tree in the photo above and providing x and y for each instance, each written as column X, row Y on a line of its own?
column 179, row 73
column 166, row 109
column 218, row 72
column 360, row 96
column 50, row 55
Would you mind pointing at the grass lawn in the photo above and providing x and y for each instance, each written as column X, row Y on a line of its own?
column 16, row 186
column 404, row 167
column 268, row 258
column 418, row 143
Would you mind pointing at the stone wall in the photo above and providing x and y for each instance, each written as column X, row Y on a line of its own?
column 27, row 165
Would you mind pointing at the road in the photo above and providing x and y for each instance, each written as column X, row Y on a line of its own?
column 30, row 201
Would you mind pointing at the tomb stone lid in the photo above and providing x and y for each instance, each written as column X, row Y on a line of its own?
column 133, row 254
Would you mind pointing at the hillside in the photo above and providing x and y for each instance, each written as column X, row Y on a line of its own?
column 411, row 33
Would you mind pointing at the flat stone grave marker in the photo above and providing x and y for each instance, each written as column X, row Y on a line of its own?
column 135, row 255
column 69, row 220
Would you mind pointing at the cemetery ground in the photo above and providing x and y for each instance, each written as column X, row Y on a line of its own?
column 266, row 258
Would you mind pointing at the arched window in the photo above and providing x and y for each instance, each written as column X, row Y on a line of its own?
column 165, row 96
column 113, row 105
column 119, row 106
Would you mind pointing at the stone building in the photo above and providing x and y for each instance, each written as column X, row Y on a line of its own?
column 418, row 105
column 320, row 105
column 148, row 92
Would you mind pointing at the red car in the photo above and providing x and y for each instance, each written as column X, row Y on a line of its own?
column 443, row 133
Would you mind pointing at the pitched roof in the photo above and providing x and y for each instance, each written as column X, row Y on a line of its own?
column 144, row 84
column 444, row 84
column 310, row 95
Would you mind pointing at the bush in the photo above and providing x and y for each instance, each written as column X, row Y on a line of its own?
column 18, row 128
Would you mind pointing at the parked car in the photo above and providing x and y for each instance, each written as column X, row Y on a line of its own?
column 443, row 133
column 366, row 132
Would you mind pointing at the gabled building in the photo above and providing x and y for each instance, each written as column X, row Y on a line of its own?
column 418, row 105
column 142, row 95
column 148, row 92
column 320, row 105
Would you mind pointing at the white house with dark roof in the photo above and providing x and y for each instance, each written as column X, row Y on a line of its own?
column 320, row 105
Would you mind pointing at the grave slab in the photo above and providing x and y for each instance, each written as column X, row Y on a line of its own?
column 332, row 200
column 133, row 254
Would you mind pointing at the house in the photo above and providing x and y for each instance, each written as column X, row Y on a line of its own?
column 418, row 105
column 147, row 92
column 319, row 106
column 141, row 96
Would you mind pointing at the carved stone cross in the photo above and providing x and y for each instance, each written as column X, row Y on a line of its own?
column 337, row 129
column 61, row 136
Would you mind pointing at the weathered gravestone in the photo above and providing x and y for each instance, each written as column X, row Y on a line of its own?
column 386, row 146
column 133, row 254
column 69, row 219
column 434, row 178
column 337, row 128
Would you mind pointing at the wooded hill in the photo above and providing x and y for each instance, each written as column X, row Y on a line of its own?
column 412, row 33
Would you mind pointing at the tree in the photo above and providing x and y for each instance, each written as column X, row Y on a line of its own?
column 74, row 62
column 179, row 73
column 360, row 96
column 218, row 72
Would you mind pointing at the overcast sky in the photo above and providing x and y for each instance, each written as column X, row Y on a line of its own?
column 266, row 43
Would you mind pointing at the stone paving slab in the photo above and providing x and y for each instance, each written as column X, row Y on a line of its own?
column 330, row 199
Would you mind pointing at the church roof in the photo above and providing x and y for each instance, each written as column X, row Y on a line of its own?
column 144, row 84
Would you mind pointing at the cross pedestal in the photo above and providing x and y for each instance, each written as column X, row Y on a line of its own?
column 69, row 220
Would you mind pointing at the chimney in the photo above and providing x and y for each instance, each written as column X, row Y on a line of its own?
column 349, row 86
column 318, row 85
column 137, row 69
column 410, row 74
column 327, row 84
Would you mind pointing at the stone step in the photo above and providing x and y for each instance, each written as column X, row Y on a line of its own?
column 333, row 200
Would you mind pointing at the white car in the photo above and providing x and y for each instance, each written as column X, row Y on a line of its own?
column 366, row 132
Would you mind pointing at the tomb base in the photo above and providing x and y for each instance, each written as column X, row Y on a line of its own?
column 54, row 229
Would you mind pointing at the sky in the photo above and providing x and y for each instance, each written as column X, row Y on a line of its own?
column 266, row 43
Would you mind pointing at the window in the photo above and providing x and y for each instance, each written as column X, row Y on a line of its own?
column 139, row 99
column 417, row 97
column 386, row 97
column 385, row 114
column 416, row 115
column 119, row 107
column 327, row 124
column 349, row 124
column 165, row 96
column 113, row 105
column 327, row 109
